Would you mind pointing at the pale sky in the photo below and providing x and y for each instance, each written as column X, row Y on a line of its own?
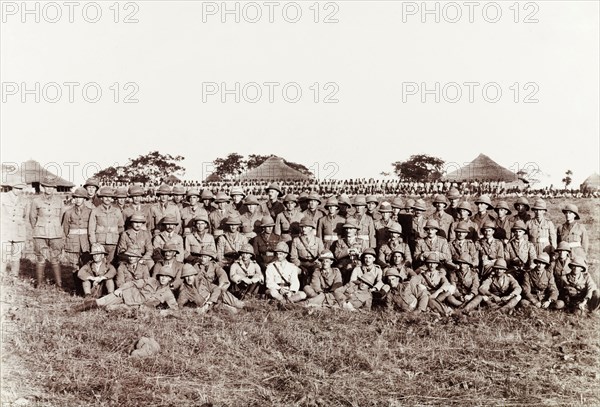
column 369, row 56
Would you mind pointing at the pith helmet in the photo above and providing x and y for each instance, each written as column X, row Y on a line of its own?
column 106, row 191
column 80, row 193
column 522, row 201
column 188, row 270
column 164, row 189
column 485, row 200
column 503, row 205
column 571, row 208
column 282, row 247
column 97, row 248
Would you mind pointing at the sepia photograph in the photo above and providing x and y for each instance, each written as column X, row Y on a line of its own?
column 300, row 203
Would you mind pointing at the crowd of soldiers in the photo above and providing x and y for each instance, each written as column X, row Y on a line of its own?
column 218, row 250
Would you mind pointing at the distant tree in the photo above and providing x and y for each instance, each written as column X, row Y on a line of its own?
column 153, row 167
column 254, row 160
column 230, row 166
column 419, row 167
column 299, row 167
column 567, row 180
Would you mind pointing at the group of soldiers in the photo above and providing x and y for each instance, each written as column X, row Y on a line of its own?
column 218, row 250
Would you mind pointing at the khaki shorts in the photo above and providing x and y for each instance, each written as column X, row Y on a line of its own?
column 48, row 249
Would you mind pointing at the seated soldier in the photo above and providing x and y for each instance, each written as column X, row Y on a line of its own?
column 168, row 236
column 132, row 268
column 282, row 277
column 137, row 239
column 405, row 293
column 499, row 291
column 199, row 238
column 368, row 266
column 579, row 292
column 197, row 289
column 539, row 286
column 432, row 244
column 489, row 248
column 264, row 244
column 357, row 294
column 230, row 241
column 465, row 281
column 324, row 281
column 461, row 245
column 560, row 265
column 245, row 273
column 436, row 283
column 97, row 273
column 150, row 292
column 394, row 242
column 168, row 253
column 348, row 249
column 519, row 252
column 305, row 249
column 210, row 270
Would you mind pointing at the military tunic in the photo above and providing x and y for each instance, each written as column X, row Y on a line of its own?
column 329, row 229
column 576, row 236
column 542, row 234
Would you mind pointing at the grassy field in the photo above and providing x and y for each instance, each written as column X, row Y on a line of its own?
column 296, row 357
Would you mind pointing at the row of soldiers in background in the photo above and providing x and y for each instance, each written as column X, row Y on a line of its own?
column 225, row 224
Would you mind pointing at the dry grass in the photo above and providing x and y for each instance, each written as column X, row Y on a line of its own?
column 296, row 357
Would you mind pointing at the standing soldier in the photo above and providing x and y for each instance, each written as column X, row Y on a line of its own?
column 489, row 248
column 372, row 204
column 264, row 244
column 521, row 205
column 312, row 211
column 287, row 223
column 230, row 242
column 106, row 223
column 120, row 199
column 484, row 208
column 329, row 227
column 503, row 222
column 138, row 240
column 75, row 225
column 519, row 252
column 15, row 211
column 453, row 196
column 464, row 212
column 136, row 193
column 218, row 216
column 199, row 238
column 237, row 196
column 397, row 206
column 273, row 206
column 163, row 208
column 542, row 232
column 574, row 233
column 345, row 206
column 440, row 203
column 207, row 198
column 418, row 223
column 48, row 236
column 432, row 244
column 192, row 210
column 251, row 217
column 178, row 194
column 366, row 226
column 169, row 236
column 383, row 223
column 91, row 186
column 395, row 243
column 305, row 250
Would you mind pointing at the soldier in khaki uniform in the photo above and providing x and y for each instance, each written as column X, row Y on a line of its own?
column 97, row 274
column 136, row 193
column 132, row 269
column 461, row 245
column 264, row 244
column 499, row 291
column 541, row 231
column 418, row 223
column 106, row 223
column 348, row 249
column 367, row 266
column 574, row 233
column 329, row 227
column 406, row 294
column 539, row 285
column 560, row 266
column 464, row 212
column 251, row 216
column 220, row 213
column 75, row 225
column 372, row 211
column 177, row 196
column 324, row 281
column 440, row 203
column 484, row 212
column 48, row 236
column 168, row 236
column 246, row 276
column 137, row 239
column 394, row 243
column 199, row 239
column 230, row 242
column 272, row 206
column 207, row 198
column 312, row 211
column 579, row 293
column 163, row 208
column 453, row 197
column 92, row 185
column 305, row 250
column 192, row 210
column 121, row 199
column 366, row 225
column 522, row 207
column 382, row 224
column 489, row 248
column 287, row 222
column 237, row 195
column 15, row 211
column 435, row 281
column 168, row 261
column 503, row 222
column 432, row 244
column 465, row 281
column 357, row 294
column 213, row 273
column 282, row 277
column 519, row 252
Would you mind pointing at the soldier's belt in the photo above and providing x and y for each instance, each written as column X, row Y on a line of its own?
column 574, row 244
column 78, row 232
column 328, row 238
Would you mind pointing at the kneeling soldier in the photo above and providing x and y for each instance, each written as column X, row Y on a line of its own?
column 579, row 292
column 539, row 286
column 499, row 290
column 282, row 277
column 325, row 280
column 97, row 274
column 246, row 275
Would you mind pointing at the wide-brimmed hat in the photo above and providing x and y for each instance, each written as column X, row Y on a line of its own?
column 539, row 205
column 397, row 202
column 80, row 193
column 188, row 270
column 521, row 201
column 282, row 247
column 399, row 249
column 466, row 206
column 395, row 227
column 178, row 190
column 169, row 220
column 359, row 200
column 542, row 258
column 331, row 201
column 266, row 221
column 564, row 246
column 201, row 218
column 48, row 182
column 247, row 248
column 97, row 248
column 465, row 258
column 385, row 207
column 237, row 190
column 193, row 192
column 579, row 262
column 303, row 196
column 500, row 264
column 306, row 221
column 166, row 271
column 106, row 191
column 432, row 258
column 222, row 197
column 233, row 220
column 20, row 185
column 432, row 224
column 485, row 200
column 313, row 196
column 138, row 217
column 409, row 203
column 571, row 208
column 453, row 193
column 163, row 189
column 251, row 200
column 170, row 247
column 208, row 252
column 419, row 205
column 326, row 254
column 503, row 205
column 392, row 272
column 133, row 253
column 519, row 225
column 343, row 199
column 136, row 190
column 92, row 182
column 440, row 199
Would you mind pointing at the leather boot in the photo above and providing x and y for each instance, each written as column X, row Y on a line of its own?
column 39, row 274
column 57, row 276
column 88, row 304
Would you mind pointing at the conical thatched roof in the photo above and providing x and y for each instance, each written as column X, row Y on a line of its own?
column 482, row 168
column 31, row 173
column 274, row 168
column 592, row 182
